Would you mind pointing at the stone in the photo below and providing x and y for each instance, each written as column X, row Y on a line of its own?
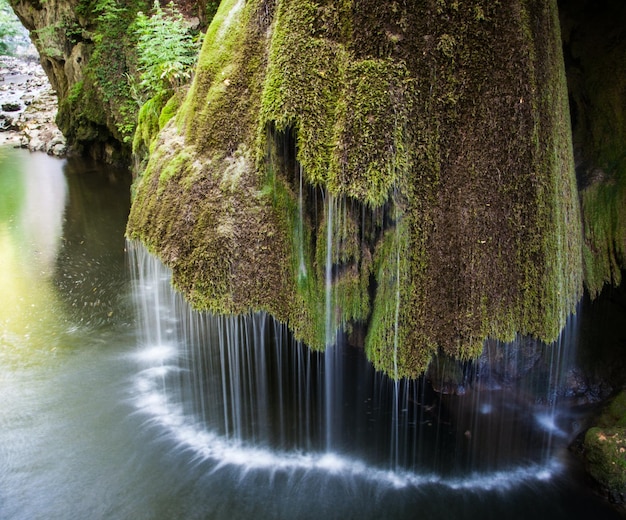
column 32, row 125
column 11, row 107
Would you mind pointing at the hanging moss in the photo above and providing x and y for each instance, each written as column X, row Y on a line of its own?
column 604, row 209
column 439, row 134
column 595, row 42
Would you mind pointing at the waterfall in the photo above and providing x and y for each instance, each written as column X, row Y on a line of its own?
column 239, row 391
column 302, row 272
column 330, row 357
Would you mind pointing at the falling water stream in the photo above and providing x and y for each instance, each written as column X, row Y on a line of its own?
column 120, row 402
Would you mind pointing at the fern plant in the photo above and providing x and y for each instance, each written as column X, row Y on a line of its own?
column 166, row 51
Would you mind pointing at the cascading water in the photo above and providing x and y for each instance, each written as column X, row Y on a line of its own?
column 329, row 329
column 239, row 392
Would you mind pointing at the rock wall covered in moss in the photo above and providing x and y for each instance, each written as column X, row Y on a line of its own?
column 402, row 170
column 88, row 49
column 594, row 37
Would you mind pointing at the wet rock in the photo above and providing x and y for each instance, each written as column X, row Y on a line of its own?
column 585, row 389
column 7, row 123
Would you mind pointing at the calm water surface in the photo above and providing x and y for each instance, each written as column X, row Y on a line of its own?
column 97, row 421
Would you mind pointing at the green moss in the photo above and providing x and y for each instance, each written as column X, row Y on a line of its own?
column 169, row 109
column 605, row 446
column 302, row 85
column 211, row 113
column 395, row 325
column 604, row 210
column 439, row 137
column 605, row 450
column 370, row 131
column 147, row 126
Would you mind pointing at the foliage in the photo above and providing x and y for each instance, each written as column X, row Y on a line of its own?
column 11, row 31
column 108, row 11
column 166, row 50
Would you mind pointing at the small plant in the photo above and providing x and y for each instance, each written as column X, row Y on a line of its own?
column 166, row 51
column 50, row 40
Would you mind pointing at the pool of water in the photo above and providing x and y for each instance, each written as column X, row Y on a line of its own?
column 106, row 414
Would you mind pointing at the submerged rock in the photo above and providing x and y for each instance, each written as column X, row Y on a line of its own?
column 11, row 107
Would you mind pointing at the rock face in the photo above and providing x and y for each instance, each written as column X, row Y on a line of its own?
column 406, row 169
column 50, row 25
column 85, row 58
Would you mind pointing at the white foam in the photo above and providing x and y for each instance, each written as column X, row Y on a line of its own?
column 207, row 445
column 547, row 422
column 155, row 354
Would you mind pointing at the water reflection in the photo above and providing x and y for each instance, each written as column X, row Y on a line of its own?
column 40, row 219
column 33, row 197
column 61, row 251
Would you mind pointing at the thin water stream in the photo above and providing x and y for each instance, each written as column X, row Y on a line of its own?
column 119, row 402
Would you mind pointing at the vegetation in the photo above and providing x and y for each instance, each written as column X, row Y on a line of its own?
column 12, row 33
column 605, row 447
column 166, row 51
column 98, row 111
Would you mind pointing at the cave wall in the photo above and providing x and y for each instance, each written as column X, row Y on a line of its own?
column 437, row 131
column 594, row 42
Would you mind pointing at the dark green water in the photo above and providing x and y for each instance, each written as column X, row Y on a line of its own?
column 105, row 414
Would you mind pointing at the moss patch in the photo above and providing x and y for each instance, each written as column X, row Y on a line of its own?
column 605, row 447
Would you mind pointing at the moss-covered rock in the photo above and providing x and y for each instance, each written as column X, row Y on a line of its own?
column 407, row 168
column 605, row 449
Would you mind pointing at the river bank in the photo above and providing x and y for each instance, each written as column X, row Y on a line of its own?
column 28, row 107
